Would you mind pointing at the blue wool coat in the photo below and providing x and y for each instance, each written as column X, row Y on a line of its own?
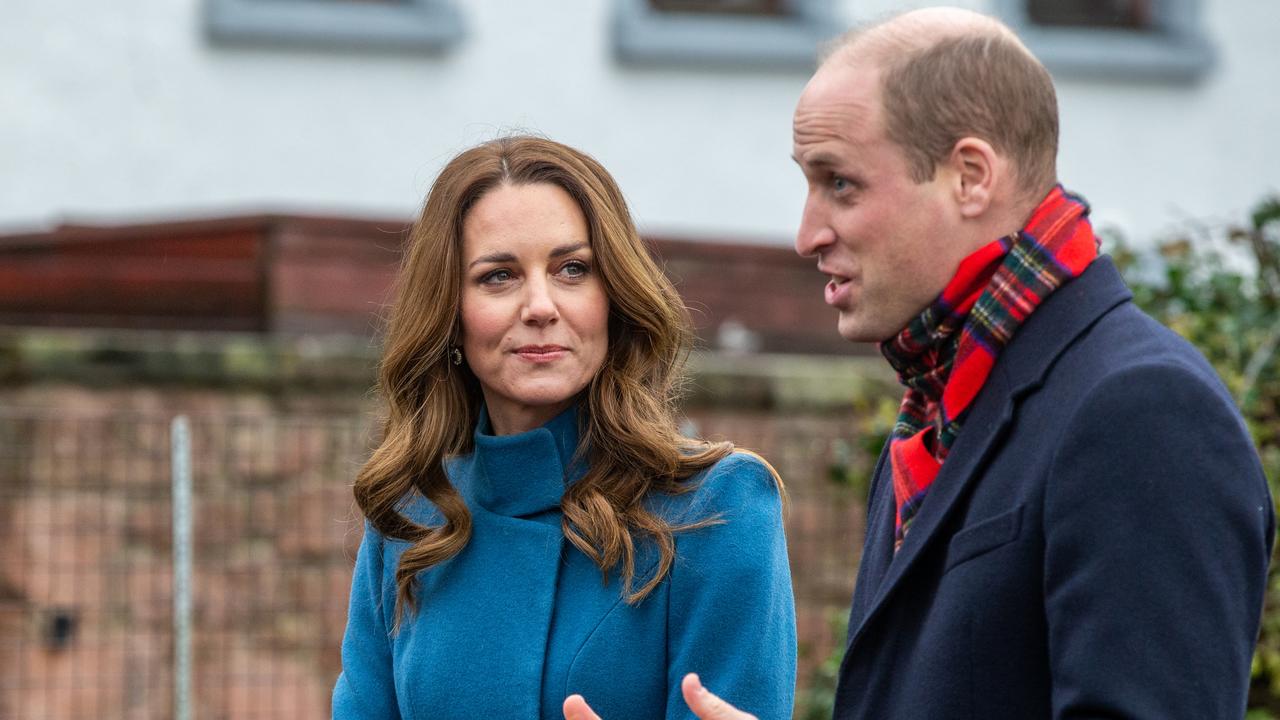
column 1095, row 545
column 520, row 619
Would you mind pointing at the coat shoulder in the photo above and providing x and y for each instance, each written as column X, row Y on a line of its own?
column 737, row 482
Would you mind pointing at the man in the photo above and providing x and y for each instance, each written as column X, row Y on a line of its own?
column 1070, row 519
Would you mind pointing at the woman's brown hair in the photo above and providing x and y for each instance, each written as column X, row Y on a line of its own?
column 632, row 444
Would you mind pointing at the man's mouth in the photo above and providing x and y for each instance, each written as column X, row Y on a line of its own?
column 837, row 289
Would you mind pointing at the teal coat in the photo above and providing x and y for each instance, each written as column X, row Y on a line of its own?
column 520, row 618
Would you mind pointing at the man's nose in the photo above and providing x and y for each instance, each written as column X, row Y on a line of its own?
column 815, row 231
column 539, row 306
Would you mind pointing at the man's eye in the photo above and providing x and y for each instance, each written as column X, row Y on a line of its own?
column 840, row 184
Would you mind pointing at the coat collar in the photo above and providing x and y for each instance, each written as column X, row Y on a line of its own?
column 523, row 474
column 1020, row 369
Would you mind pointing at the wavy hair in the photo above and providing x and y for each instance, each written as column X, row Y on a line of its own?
column 629, row 434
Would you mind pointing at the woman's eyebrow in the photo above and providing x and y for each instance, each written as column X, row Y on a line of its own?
column 492, row 258
column 567, row 249
column 504, row 257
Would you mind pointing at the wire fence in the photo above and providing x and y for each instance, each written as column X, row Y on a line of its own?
column 90, row 571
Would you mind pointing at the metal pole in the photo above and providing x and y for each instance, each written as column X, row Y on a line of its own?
column 180, row 435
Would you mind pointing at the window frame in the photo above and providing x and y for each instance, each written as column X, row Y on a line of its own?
column 642, row 35
column 1177, row 50
column 407, row 25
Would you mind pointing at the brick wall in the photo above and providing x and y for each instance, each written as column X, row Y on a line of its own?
column 86, row 580
column 294, row 274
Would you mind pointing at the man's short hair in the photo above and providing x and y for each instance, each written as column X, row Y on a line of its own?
column 982, row 84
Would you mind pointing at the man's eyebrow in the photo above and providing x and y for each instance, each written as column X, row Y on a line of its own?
column 818, row 159
column 503, row 257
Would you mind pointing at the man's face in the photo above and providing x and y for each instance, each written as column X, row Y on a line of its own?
column 883, row 239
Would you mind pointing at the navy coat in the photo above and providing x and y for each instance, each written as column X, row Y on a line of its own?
column 1095, row 545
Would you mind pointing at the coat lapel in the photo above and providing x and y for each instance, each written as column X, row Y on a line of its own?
column 987, row 421
column 1066, row 314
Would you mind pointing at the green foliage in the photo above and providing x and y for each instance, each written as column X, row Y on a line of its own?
column 850, row 466
column 853, row 462
column 817, row 700
column 1231, row 312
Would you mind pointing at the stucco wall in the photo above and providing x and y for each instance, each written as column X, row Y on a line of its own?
column 124, row 110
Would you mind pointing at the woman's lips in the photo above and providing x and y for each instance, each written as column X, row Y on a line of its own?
column 541, row 353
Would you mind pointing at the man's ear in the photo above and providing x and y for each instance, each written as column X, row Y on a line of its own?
column 977, row 167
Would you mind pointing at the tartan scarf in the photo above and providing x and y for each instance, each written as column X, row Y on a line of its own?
column 945, row 354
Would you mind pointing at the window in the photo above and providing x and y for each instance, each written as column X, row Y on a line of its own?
column 1159, row 40
column 1127, row 14
column 408, row 25
column 771, row 34
column 731, row 7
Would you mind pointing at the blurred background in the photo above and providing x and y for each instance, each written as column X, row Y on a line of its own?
column 202, row 205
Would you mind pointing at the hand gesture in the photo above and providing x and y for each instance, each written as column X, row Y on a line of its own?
column 700, row 700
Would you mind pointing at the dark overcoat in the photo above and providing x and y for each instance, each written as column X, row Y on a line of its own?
column 1095, row 545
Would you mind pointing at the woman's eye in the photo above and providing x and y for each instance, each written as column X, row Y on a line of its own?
column 574, row 269
column 495, row 277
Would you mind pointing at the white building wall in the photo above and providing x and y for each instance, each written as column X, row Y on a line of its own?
column 123, row 111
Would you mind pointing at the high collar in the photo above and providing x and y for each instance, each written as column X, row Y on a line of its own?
column 524, row 474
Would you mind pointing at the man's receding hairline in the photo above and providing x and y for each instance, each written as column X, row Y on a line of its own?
column 880, row 43
column 905, row 51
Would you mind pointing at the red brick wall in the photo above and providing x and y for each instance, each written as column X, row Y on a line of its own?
column 85, row 523
column 190, row 275
column 332, row 275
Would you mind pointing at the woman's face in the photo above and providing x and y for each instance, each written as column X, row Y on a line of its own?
column 535, row 317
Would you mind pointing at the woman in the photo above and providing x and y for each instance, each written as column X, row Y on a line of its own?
column 536, row 525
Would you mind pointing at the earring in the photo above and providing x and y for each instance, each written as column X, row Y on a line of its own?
column 455, row 355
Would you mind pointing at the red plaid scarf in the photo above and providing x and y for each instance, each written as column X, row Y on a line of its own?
column 944, row 356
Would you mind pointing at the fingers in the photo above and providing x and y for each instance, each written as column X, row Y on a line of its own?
column 706, row 705
column 576, row 708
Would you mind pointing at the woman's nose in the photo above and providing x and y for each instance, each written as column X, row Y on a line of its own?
column 539, row 306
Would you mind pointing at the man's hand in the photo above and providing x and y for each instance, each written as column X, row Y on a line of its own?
column 700, row 700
